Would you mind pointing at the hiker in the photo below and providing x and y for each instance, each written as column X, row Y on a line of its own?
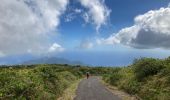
column 87, row 74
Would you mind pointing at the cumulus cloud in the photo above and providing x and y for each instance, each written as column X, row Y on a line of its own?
column 25, row 24
column 150, row 30
column 98, row 12
column 56, row 48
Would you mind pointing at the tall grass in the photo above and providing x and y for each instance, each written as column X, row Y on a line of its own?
column 147, row 77
column 41, row 82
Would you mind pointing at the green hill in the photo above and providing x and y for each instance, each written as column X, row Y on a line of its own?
column 46, row 81
column 147, row 78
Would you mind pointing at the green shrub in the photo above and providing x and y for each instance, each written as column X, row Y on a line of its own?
column 155, row 88
column 148, row 78
column 17, row 84
column 114, row 78
column 131, row 86
column 147, row 66
column 166, row 73
column 45, row 82
column 111, row 75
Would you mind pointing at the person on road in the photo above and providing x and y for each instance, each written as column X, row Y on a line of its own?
column 87, row 75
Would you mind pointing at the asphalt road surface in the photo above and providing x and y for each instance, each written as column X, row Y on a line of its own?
column 93, row 89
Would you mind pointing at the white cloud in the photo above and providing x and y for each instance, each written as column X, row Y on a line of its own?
column 78, row 10
column 151, row 30
column 70, row 17
column 72, row 14
column 86, row 17
column 85, row 44
column 56, row 48
column 25, row 24
column 98, row 12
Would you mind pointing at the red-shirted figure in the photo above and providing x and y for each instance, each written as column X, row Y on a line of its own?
column 87, row 75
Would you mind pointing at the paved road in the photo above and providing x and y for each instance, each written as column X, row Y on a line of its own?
column 93, row 89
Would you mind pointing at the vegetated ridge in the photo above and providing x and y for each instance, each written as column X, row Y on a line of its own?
column 53, row 60
column 148, row 78
column 42, row 82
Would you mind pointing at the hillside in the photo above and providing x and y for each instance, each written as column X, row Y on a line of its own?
column 148, row 78
column 46, row 81
column 53, row 60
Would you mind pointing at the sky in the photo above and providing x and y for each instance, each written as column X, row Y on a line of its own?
column 95, row 32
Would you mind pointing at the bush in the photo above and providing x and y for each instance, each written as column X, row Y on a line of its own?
column 45, row 82
column 147, row 66
column 166, row 73
column 131, row 86
column 148, row 78
column 114, row 78
column 111, row 75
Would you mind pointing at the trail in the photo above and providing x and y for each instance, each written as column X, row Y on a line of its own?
column 93, row 89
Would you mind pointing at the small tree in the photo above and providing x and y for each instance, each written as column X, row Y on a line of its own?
column 145, row 67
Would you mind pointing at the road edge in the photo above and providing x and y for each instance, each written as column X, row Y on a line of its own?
column 70, row 92
column 121, row 94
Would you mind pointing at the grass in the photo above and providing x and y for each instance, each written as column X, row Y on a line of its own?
column 123, row 95
column 147, row 78
column 70, row 92
column 49, row 82
column 40, row 82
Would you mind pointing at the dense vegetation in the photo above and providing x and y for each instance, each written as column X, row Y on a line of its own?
column 147, row 78
column 45, row 82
